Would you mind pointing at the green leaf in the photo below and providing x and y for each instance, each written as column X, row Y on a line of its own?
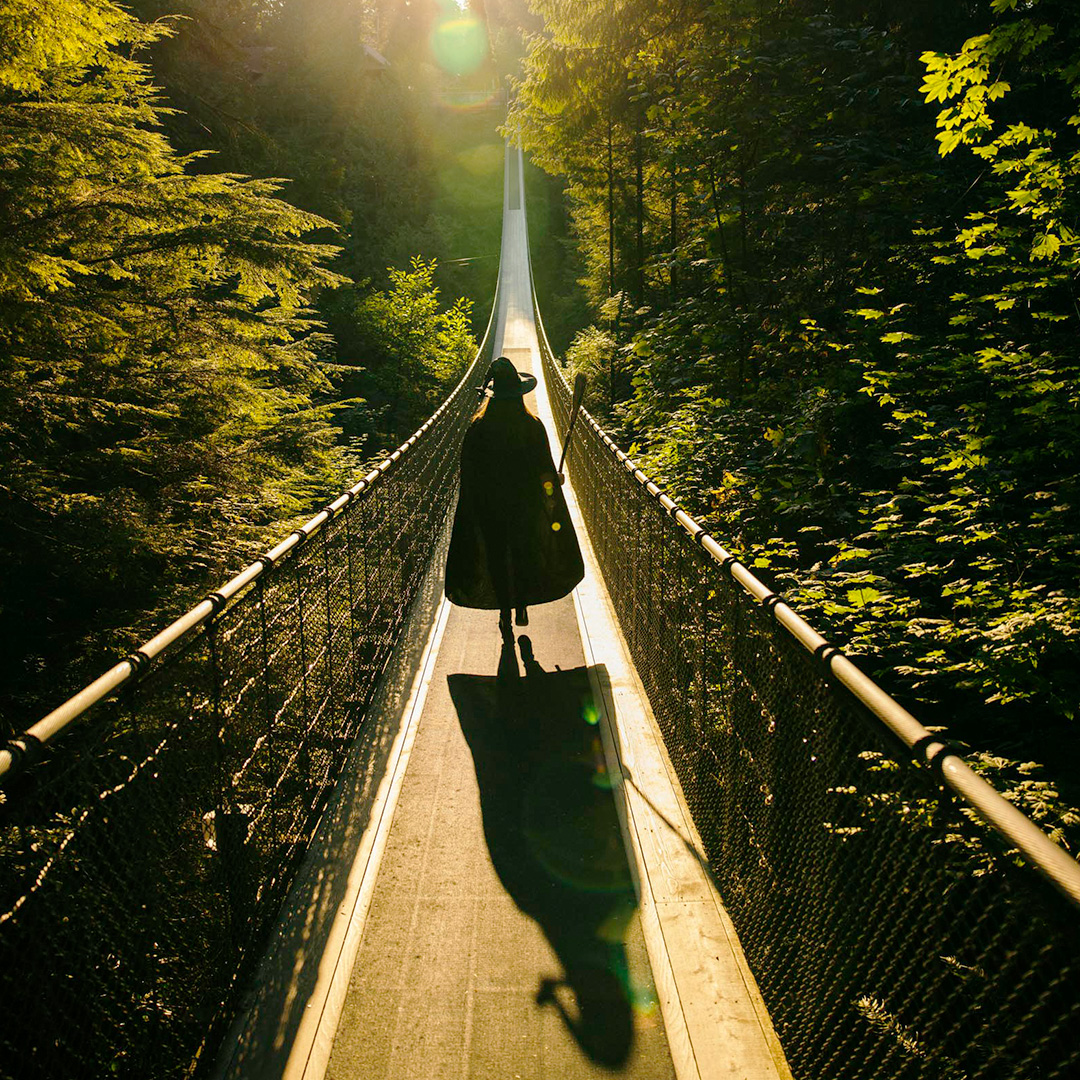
column 1045, row 246
column 860, row 597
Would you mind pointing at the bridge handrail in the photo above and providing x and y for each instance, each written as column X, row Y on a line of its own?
column 1015, row 827
column 60, row 718
column 148, row 852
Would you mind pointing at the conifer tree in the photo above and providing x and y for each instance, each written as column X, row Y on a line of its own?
column 158, row 359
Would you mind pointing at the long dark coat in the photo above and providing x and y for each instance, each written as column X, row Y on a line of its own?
column 513, row 544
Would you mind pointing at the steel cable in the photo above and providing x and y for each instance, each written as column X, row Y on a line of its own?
column 151, row 827
column 877, row 886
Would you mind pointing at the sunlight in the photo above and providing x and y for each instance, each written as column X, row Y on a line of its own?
column 459, row 39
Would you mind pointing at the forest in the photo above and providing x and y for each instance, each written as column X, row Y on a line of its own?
column 831, row 255
column 245, row 248
column 818, row 258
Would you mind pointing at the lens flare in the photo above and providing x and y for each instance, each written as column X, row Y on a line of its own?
column 555, row 526
column 459, row 40
column 469, row 101
column 643, row 1000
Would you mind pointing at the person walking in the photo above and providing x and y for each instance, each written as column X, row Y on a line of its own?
column 512, row 544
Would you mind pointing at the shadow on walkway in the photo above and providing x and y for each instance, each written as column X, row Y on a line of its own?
column 553, row 835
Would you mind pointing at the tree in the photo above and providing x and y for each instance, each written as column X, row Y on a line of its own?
column 418, row 349
column 580, row 110
column 857, row 361
column 158, row 357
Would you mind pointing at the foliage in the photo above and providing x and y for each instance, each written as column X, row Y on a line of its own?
column 169, row 395
column 294, row 89
column 977, row 384
column 157, row 352
column 850, row 350
column 592, row 354
column 419, row 350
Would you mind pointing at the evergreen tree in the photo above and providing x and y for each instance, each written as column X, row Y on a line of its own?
column 418, row 350
column 158, row 357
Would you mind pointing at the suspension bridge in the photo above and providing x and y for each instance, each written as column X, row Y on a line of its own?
column 326, row 824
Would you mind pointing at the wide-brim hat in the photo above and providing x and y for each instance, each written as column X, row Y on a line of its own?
column 505, row 381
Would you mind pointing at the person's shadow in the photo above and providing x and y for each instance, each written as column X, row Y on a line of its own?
column 553, row 835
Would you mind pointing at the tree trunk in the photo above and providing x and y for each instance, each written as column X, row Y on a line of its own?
column 639, row 164
column 725, row 257
column 610, row 207
column 612, row 396
column 674, row 226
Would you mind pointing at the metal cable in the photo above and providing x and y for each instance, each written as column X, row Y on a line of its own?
column 147, row 851
column 901, row 918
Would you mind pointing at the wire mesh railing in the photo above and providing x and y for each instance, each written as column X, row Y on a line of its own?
column 146, row 853
column 885, row 895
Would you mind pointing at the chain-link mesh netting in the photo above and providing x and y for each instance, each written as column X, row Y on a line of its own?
column 145, row 854
column 891, row 933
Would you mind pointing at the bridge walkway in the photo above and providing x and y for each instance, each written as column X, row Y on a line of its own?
column 502, row 939
column 497, row 925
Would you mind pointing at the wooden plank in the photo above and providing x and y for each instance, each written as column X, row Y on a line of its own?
column 730, row 1027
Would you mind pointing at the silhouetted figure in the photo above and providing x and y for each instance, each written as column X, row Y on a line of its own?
column 513, row 544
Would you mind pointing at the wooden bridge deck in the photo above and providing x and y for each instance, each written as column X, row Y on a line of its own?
column 504, row 883
column 496, row 894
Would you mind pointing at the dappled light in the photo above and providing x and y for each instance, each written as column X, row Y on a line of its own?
column 343, row 733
